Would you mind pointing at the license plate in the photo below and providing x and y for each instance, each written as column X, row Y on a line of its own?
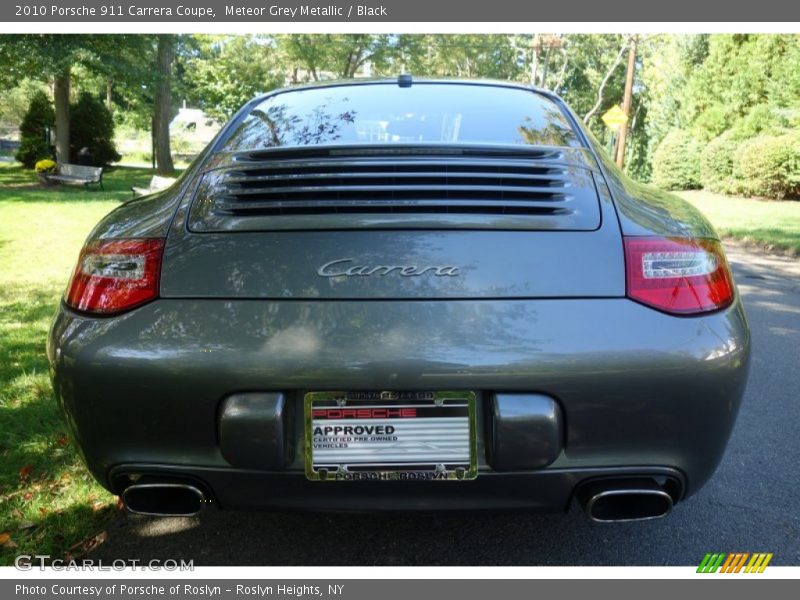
column 390, row 436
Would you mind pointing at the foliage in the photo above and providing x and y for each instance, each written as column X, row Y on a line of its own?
column 738, row 85
column 466, row 56
column 676, row 162
column 224, row 72
column 14, row 102
column 769, row 166
column 34, row 132
column 45, row 166
column 333, row 56
column 716, row 164
column 91, row 132
column 760, row 119
column 743, row 85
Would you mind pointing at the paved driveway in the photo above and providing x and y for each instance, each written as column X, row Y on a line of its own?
column 752, row 503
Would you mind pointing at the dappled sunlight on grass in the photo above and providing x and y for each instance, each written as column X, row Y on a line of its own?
column 48, row 500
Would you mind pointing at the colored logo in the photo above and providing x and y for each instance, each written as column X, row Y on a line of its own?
column 734, row 562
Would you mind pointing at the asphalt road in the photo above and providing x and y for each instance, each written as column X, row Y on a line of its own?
column 752, row 504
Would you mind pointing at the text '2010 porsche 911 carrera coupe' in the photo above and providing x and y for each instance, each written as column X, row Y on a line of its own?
column 402, row 294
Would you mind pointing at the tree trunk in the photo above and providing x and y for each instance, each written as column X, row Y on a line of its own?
column 626, row 104
column 546, row 67
column 534, row 64
column 61, row 97
column 162, row 105
column 109, row 93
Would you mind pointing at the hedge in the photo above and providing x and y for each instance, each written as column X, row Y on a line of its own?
column 676, row 162
column 769, row 166
column 717, row 164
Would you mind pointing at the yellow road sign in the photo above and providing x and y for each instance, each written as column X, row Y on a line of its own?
column 614, row 117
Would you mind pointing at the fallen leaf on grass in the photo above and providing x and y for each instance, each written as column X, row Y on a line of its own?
column 27, row 495
column 4, row 538
column 98, row 505
column 63, row 440
column 43, row 510
column 26, row 525
column 82, row 548
column 25, row 471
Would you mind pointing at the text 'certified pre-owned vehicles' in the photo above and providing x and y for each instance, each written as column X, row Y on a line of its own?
column 402, row 294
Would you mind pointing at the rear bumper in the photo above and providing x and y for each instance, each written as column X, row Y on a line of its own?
column 639, row 392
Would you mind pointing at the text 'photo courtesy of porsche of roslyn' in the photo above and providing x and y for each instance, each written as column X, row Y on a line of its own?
column 537, row 289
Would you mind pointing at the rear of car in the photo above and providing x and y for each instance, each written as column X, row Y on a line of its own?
column 402, row 295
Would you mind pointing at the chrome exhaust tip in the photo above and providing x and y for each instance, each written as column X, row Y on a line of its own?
column 163, row 499
column 624, row 500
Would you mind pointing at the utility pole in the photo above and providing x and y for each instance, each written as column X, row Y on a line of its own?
column 626, row 103
column 543, row 43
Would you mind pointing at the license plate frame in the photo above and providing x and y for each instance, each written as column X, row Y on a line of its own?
column 461, row 405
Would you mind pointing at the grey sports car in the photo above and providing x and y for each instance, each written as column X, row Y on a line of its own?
column 402, row 294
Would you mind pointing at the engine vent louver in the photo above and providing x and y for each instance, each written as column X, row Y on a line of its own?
column 391, row 182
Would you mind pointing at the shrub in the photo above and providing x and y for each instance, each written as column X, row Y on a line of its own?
column 91, row 132
column 769, row 166
column 711, row 122
column 762, row 119
column 34, row 131
column 676, row 162
column 716, row 164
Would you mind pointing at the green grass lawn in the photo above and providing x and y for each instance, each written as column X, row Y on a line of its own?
column 771, row 224
column 48, row 500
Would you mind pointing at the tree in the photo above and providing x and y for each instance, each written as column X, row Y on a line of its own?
column 53, row 58
column 14, row 103
column 486, row 56
column 162, row 105
column 337, row 56
column 224, row 72
column 601, row 89
column 48, row 57
column 34, row 132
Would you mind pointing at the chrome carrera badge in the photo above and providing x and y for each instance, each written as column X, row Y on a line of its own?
column 345, row 267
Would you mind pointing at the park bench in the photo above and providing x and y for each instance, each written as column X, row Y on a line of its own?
column 157, row 183
column 76, row 174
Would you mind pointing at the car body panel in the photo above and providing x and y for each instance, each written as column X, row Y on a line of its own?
column 636, row 387
column 486, row 264
column 532, row 312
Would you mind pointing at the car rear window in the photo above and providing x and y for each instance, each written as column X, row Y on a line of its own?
column 434, row 113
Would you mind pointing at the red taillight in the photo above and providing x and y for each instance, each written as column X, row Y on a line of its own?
column 115, row 275
column 679, row 276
